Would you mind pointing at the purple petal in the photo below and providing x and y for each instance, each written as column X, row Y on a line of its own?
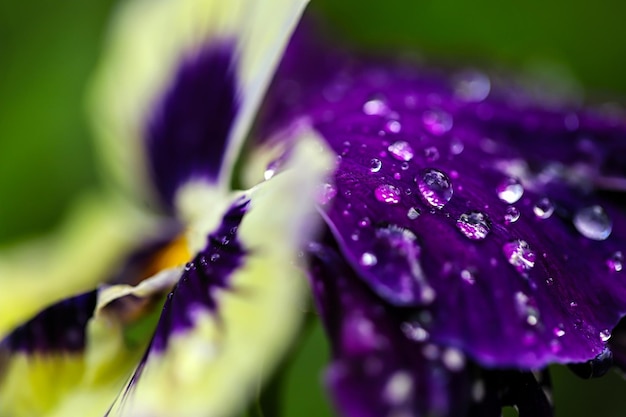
column 188, row 130
column 376, row 369
column 59, row 328
column 486, row 210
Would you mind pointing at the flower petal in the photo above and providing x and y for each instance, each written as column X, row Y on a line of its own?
column 476, row 206
column 376, row 369
column 95, row 238
column 180, row 85
column 240, row 290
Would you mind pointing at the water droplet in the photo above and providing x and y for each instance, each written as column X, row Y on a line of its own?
column 365, row 222
column 387, row 193
column 273, row 168
column 401, row 151
column 559, row 331
column 468, row 276
column 510, row 190
column 375, row 165
column 456, row 146
column 472, row 86
column 413, row 213
column 544, row 208
column 526, row 308
column 398, row 388
column 325, row 193
column 453, row 359
column 431, row 153
column 415, row 331
column 393, row 126
column 435, row 187
column 593, row 223
column 519, row 254
column 375, row 107
column 437, row 122
column 616, row 261
column 605, row 335
column 368, row 259
column 511, row 215
column 474, row 225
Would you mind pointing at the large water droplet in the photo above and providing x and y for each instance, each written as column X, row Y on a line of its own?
column 437, row 122
column 510, row 190
column 544, row 208
column 616, row 261
column 375, row 165
column 435, row 187
column 519, row 254
column 593, row 223
column 511, row 215
column 387, row 193
column 474, row 225
column 472, row 86
column 401, row 151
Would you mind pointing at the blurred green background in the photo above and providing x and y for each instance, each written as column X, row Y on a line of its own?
column 48, row 49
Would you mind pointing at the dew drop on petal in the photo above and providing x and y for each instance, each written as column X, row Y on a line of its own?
column 616, row 261
column 404, row 166
column 511, row 215
column 544, row 208
column 325, row 193
column 401, row 151
column 519, row 254
column 437, row 122
column 474, row 225
column 375, row 107
column 413, row 213
column 605, row 335
column 393, row 126
column 368, row 259
column 365, row 222
column 593, row 223
column 414, row 331
column 375, row 165
column 431, row 153
column 387, row 193
column 472, row 86
column 468, row 276
column 453, row 359
column 510, row 190
column 435, row 187
column 559, row 331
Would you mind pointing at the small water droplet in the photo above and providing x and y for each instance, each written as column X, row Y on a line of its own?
column 472, row 86
column 368, row 259
column 593, row 223
column 431, row 153
column 437, row 122
column 404, row 166
column 605, row 335
column 511, row 215
column 510, row 190
column 273, row 168
column 468, row 276
column 453, row 359
column 544, row 208
column 573, row 304
column 413, row 213
column 474, row 225
column 435, row 187
column 387, row 193
column 375, row 107
column 325, row 193
column 519, row 254
column 559, row 331
column 616, row 261
column 375, row 165
column 401, row 151
column 415, row 331
column 456, row 146
column 526, row 307
column 365, row 222
column 393, row 126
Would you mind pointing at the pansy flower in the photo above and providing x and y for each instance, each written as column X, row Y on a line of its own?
column 472, row 235
column 173, row 295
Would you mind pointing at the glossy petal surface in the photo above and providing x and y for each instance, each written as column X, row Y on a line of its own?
column 475, row 206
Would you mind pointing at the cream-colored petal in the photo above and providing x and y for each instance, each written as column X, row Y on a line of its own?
column 215, row 366
column 87, row 248
column 147, row 44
